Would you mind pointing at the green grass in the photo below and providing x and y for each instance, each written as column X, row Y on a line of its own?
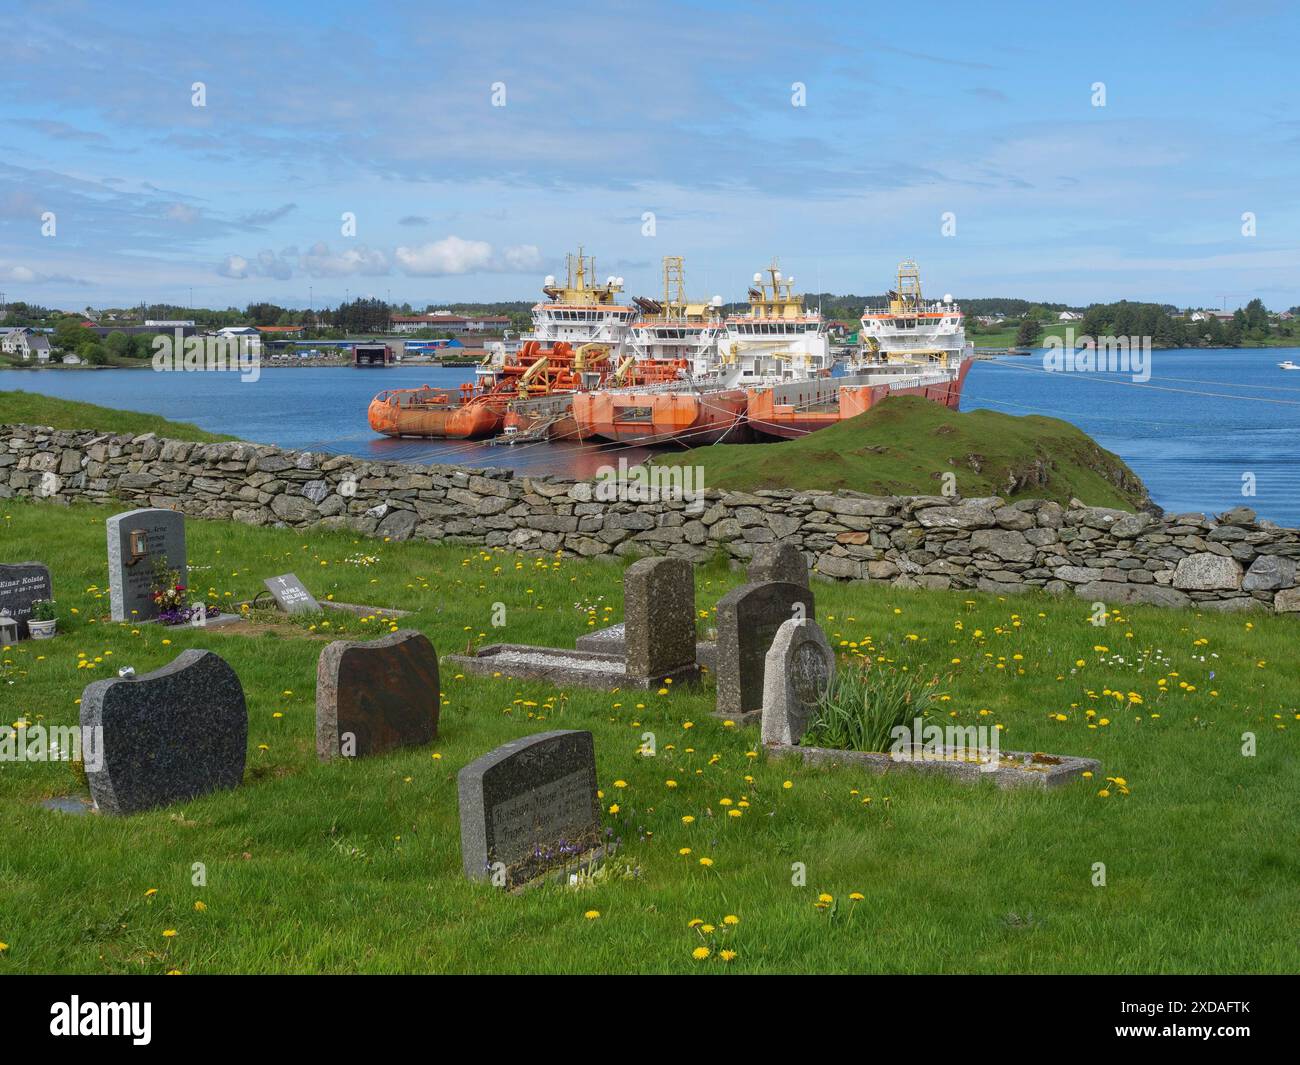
column 30, row 408
column 904, row 445
column 355, row 866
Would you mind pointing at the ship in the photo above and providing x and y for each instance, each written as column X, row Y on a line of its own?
column 578, row 335
column 776, row 341
column 770, row 375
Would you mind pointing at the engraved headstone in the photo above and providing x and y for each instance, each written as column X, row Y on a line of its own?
column 799, row 667
column 375, row 696
column 291, row 595
column 779, row 561
column 167, row 736
column 659, row 617
column 21, row 585
column 748, row 618
column 137, row 541
column 529, row 808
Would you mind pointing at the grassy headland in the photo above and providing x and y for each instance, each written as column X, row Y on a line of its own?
column 904, row 445
column 31, row 408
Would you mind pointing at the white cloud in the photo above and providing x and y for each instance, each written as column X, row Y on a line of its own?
column 235, row 266
column 452, row 255
column 181, row 212
column 319, row 261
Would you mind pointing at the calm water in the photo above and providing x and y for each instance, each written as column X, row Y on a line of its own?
column 1191, row 432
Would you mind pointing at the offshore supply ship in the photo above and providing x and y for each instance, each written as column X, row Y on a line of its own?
column 578, row 337
column 776, row 341
column 907, row 348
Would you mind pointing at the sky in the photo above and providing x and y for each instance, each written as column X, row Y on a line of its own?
column 1066, row 153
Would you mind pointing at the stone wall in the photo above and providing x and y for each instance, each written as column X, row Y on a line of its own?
column 1232, row 563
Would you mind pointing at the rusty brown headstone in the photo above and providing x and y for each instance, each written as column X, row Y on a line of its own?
column 377, row 695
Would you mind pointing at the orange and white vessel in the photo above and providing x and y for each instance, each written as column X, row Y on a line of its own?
column 777, row 341
column 909, row 348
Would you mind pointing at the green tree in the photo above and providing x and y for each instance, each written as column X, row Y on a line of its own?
column 1030, row 330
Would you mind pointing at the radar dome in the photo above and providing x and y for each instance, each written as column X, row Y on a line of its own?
column 549, row 280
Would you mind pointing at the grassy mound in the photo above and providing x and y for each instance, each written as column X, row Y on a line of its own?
column 905, row 445
column 30, row 408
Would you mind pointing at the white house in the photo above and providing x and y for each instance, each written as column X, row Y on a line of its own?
column 1069, row 316
column 15, row 341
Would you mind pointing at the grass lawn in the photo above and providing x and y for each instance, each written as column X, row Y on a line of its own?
column 906, row 444
column 355, row 866
column 31, row 408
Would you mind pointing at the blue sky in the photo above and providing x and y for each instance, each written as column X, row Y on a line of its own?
column 984, row 111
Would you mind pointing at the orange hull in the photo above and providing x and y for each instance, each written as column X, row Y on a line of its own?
column 795, row 417
column 452, row 420
column 684, row 418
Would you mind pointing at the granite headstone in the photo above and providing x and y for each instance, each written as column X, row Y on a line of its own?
column 21, row 585
column 530, row 807
column 659, row 616
column 375, row 696
column 137, row 541
column 167, row 736
column 799, row 667
column 291, row 595
column 779, row 561
column 748, row 618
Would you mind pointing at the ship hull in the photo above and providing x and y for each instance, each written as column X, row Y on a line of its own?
column 451, row 421
column 690, row 419
column 789, row 411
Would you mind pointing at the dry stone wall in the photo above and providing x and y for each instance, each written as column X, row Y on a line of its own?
column 1232, row 562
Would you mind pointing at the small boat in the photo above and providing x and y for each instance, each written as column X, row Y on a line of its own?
column 1289, row 365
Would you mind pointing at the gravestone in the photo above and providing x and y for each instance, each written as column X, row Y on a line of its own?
column 21, row 585
column 137, row 539
column 781, row 561
column 291, row 595
column 799, row 666
column 659, row 617
column 375, row 696
column 529, row 808
column 748, row 618
column 170, row 735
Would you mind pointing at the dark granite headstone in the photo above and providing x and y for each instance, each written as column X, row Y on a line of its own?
column 291, row 595
column 170, row 735
column 748, row 618
column 137, row 539
column 659, row 616
column 800, row 665
column 779, row 561
column 375, row 696
column 529, row 808
column 21, row 585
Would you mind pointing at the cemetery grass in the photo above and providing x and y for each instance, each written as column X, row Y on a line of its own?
column 355, row 866
column 30, row 408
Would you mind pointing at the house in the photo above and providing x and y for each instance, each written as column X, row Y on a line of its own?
column 72, row 360
column 15, row 341
column 38, row 348
column 1069, row 316
column 1205, row 316
column 446, row 322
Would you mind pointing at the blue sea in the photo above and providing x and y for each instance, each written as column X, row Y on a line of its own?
column 1206, row 426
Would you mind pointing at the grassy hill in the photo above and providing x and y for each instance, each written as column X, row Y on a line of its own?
column 29, row 408
column 906, row 444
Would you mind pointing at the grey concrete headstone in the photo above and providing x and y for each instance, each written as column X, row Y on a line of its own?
column 21, row 585
column 658, row 616
column 170, row 735
column 799, row 667
column 160, row 534
column 375, row 696
column 530, row 807
column 291, row 595
column 779, row 561
column 748, row 618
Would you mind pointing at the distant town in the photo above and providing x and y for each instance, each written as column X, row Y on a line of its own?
column 35, row 336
